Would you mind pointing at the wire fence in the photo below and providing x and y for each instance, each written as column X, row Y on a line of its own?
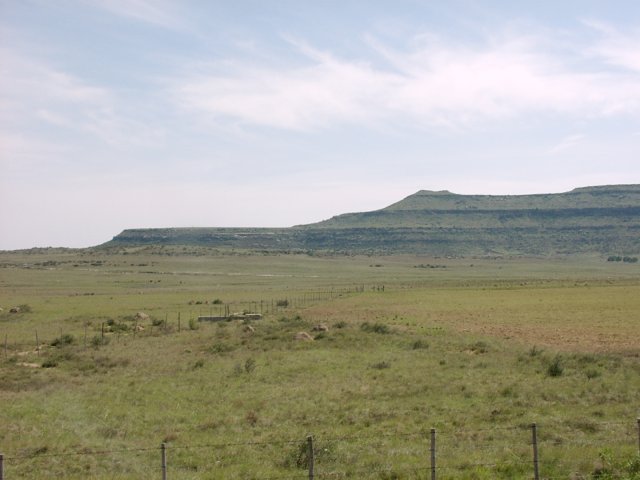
column 94, row 332
column 519, row 452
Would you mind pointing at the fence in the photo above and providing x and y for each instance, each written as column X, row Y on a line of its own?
column 175, row 322
column 518, row 452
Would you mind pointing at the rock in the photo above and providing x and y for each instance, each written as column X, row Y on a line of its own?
column 304, row 336
column 321, row 327
column 141, row 316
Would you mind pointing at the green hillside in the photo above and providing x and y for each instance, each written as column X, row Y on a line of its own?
column 603, row 220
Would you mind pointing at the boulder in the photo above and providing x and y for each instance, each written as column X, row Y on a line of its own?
column 304, row 336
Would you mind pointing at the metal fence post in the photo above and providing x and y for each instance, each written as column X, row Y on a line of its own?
column 534, row 442
column 433, row 454
column 311, row 456
column 163, row 453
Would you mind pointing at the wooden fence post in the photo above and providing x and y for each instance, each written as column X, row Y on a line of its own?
column 163, row 453
column 311, row 456
column 1, row 466
column 638, row 420
column 433, row 454
column 534, row 442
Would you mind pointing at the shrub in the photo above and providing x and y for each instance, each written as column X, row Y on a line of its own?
column 249, row 365
column 99, row 340
column 535, row 351
column 419, row 345
column 479, row 347
column 340, row 324
column 252, row 418
column 220, row 348
column 375, row 328
column 282, row 303
column 555, row 368
column 49, row 363
column 381, row 365
column 217, row 301
column 298, row 457
column 61, row 341
column 115, row 326
column 198, row 364
column 193, row 324
column 592, row 373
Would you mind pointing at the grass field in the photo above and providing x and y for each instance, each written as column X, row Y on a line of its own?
column 477, row 348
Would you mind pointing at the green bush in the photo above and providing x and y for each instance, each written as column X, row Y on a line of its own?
column 99, row 341
column 61, row 341
column 375, row 328
column 555, row 368
column 221, row 348
column 198, row 364
column 381, row 365
column 249, row 365
column 419, row 345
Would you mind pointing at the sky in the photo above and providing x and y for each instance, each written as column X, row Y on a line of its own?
column 119, row 114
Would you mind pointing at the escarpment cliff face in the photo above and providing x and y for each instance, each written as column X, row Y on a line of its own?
column 604, row 219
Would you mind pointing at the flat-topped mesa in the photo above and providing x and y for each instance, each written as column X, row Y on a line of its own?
column 447, row 209
column 601, row 219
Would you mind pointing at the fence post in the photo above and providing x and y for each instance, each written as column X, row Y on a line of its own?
column 163, row 452
column 433, row 454
column 534, row 442
column 311, row 456
column 638, row 420
column 1, row 466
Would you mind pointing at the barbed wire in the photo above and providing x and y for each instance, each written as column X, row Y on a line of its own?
column 425, row 434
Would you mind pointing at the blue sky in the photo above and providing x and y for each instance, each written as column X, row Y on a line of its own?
column 122, row 114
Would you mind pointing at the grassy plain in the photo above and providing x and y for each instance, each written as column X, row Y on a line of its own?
column 477, row 348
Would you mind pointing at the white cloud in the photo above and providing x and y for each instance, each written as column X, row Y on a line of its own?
column 621, row 49
column 33, row 92
column 433, row 84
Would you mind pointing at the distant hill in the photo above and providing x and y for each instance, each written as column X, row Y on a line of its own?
column 603, row 219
